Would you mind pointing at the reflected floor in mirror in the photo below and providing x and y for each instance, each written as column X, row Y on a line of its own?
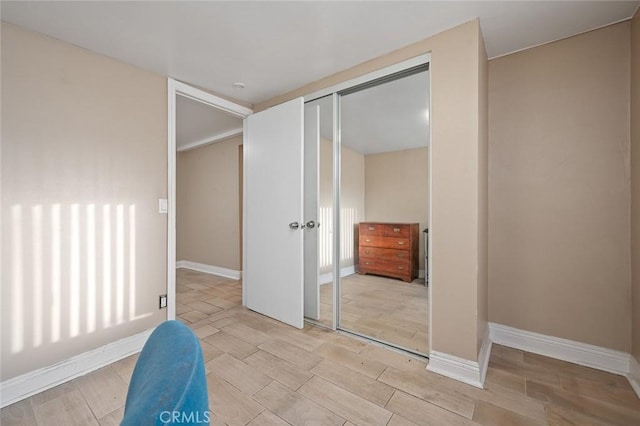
column 382, row 308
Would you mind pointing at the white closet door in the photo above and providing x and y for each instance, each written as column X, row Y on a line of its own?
column 311, row 202
column 273, row 204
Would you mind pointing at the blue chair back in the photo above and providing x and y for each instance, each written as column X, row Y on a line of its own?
column 168, row 385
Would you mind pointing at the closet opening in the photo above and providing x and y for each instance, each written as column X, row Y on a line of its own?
column 374, row 197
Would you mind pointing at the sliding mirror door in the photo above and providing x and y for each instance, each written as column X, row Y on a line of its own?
column 384, row 209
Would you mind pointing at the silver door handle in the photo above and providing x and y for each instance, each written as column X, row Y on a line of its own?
column 296, row 226
column 311, row 224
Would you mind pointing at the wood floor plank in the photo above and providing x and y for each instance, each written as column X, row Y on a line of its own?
column 193, row 316
column 357, row 383
column 243, row 376
column 114, row 418
column 559, row 416
column 424, row 413
column 228, row 403
column 54, row 392
column 352, row 360
column 344, row 403
column 298, row 338
column 20, row 413
column 231, row 344
column 279, row 369
column 398, row 420
column 248, row 334
column 69, row 409
column 289, row 352
column 421, row 387
column 209, row 351
column 104, row 390
column 295, row 408
column 489, row 415
column 125, row 367
column 505, row 380
column 205, row 331
column 338, row 339
column 266, row 418
column 204, row 307
column 393, row 358
column 611, row 413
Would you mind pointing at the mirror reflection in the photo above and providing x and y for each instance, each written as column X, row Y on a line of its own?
column 384, row 196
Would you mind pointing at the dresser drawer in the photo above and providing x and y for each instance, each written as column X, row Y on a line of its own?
column 389, row 255
column 375, row 266
column 372, row 229
column 401, row 231
column 385, row 242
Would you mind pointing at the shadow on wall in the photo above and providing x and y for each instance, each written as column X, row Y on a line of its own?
column 71, row 271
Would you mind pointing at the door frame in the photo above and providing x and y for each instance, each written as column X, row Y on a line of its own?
column 334, row 90
column 178, row 88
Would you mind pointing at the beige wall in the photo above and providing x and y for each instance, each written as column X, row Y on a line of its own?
column 397, row 189
column 352, row 204
column 208, row 200
column 635, row 182
column 454, row 69
column 84, row 161
column 559, row 189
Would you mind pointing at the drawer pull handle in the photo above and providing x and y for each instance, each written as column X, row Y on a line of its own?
column 371, row 228
column 400, row 243
column 366, row 263
column 366, row 252
column 400, row 255
column 396, row 229
column 401, row 267
column 368, row 240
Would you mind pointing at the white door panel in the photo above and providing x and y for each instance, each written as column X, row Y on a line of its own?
column 273, row 185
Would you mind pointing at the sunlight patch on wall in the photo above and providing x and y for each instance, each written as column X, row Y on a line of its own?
column 72, row 271
column 91, row 267
column 106, row 266
column 36, row 244
column 55, row 273
column 17, row 318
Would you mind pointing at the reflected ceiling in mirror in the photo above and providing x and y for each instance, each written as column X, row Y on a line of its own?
column 392, row 116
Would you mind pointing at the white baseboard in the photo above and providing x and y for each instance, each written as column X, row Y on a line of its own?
column 470, row 372
column 26, row 385
column 210, row 269
column 634, row 375
column 460, row 369
column 563, row 349
column 328, row 278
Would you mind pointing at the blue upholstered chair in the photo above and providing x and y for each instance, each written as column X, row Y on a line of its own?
column 168, row 385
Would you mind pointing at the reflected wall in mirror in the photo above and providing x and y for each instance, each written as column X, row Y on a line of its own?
column 385, row 181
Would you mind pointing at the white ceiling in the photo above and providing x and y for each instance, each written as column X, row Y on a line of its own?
column 274, row 47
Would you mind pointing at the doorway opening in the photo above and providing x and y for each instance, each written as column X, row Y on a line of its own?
column 205, row 133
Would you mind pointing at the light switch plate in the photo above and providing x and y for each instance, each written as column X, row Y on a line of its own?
column 163, row 205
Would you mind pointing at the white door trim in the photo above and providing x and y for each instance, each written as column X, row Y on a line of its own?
column 177, row 88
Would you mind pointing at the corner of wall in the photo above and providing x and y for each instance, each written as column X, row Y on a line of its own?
column 635, row 189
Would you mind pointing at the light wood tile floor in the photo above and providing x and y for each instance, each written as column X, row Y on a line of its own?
column 385, row 309
column 261, row 372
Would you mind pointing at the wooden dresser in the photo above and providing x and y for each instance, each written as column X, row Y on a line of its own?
column 389, row 249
